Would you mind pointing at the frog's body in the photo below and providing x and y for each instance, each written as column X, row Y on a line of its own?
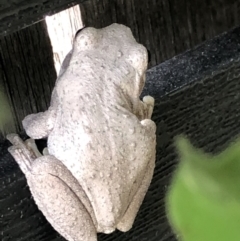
column 101, row 141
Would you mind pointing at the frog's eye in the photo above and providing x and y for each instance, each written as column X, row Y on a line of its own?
column 79, row 31
column 86, row 38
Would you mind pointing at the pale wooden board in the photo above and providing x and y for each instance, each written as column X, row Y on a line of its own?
column 62, row 28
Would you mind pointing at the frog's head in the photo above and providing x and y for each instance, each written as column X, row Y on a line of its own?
column 115, row 44
column 116, row 41
column 123, row 47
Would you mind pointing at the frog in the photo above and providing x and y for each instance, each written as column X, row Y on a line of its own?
column 101, row 141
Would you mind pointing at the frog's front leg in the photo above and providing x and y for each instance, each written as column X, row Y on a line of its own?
column 56, row 192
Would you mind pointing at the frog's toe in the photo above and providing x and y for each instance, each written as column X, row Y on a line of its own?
column 14, row 139
column 22, row 157
column 31, row 145
column 149, row 105
column 149, row 100
column 22, row 152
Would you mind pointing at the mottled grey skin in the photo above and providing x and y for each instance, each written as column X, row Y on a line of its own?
column 101, row 139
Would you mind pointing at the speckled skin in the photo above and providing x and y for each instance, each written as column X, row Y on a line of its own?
column 101, row 141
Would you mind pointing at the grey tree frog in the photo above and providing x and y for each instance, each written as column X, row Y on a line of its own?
column 101, row 142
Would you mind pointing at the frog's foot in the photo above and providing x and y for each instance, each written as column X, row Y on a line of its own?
column 22, row 152
column 149, row 105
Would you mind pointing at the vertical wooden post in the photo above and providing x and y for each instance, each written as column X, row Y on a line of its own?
column 62, row 28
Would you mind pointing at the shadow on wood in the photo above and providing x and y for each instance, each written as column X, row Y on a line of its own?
column 27, row 72
column 18, row 14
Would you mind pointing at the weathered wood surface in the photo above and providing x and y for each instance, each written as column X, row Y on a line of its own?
column 165, row 27
column 203, row 102
column 62, row 28
column 18, row 14
column 27, row 72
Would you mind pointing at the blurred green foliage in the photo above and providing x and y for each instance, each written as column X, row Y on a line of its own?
column 203, row 201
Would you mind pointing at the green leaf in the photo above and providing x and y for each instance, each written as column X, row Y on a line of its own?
column 203, row 201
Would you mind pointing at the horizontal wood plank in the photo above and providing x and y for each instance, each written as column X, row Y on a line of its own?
column 18, row 14
column 165, row 27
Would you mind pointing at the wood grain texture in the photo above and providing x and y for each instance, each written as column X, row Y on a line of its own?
column 202, row 101
column 165, row 27
column 18, row 14
column 27, row 71
column 62, row 28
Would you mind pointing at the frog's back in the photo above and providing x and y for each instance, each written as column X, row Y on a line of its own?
column 96, row 135
column 108, row 157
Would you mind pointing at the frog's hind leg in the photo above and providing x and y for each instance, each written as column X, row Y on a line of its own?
column 127, row 220
column 60, row 198
column 56, row 192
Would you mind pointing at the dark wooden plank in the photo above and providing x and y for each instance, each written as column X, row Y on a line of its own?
column 165, row 27
column 27, row 71
column 18, row 14
column 197, row 93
